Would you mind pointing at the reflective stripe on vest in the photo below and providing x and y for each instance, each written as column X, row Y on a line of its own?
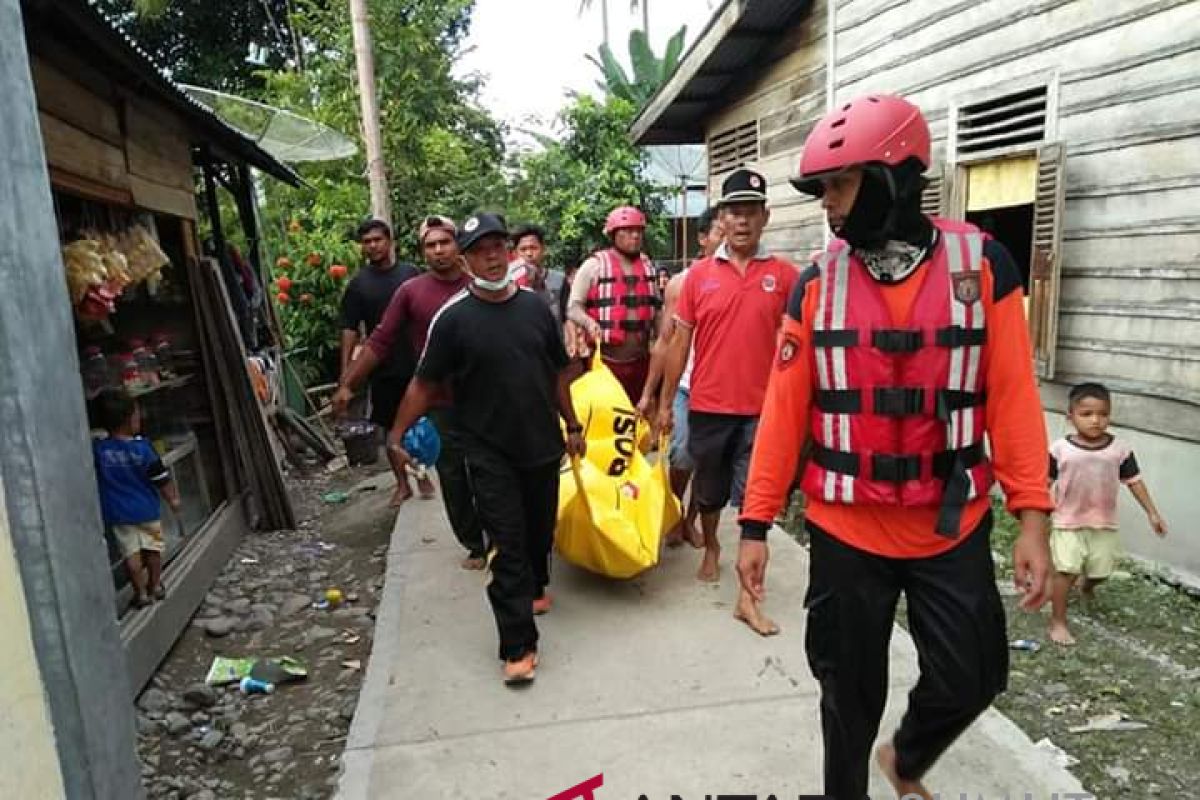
column 898, row 417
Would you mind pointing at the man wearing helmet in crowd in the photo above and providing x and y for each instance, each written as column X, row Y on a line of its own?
column 614, row 299
column 903, row 347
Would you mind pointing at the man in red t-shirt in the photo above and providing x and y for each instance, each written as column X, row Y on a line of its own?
column 405, row 323
column 729, row 314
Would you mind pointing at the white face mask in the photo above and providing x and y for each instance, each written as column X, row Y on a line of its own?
column 492, row 286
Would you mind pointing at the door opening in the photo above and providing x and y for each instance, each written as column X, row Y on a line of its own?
column 1012, row 226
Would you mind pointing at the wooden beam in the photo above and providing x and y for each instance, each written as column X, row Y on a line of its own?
column 89, row 189
column 688, row 69
column 79, row 153
column 68, row 100
column 154, row 196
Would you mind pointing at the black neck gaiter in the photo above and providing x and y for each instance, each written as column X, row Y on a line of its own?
column 888, row 208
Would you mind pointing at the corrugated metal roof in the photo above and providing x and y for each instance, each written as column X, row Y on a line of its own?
column 735, row 40
column 102, row 33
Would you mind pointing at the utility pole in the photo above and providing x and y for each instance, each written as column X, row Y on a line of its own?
column 381, row 205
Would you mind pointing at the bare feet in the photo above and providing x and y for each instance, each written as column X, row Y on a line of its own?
column 403, row 492
column 474, row 562
column 710, row 567
column 747, row 611
column 426, row 488
column 905, row 789
column 694, row 535
column 674, row 538
column 1059, row 633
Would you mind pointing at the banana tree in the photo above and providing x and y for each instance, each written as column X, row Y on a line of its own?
column 649, row 71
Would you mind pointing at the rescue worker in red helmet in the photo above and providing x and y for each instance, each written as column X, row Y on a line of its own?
column 903, row 348
column 615, row 300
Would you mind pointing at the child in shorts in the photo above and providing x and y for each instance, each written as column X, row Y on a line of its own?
column 1087, row 469
column 131, row 478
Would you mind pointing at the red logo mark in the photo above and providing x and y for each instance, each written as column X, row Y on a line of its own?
column 584, row 791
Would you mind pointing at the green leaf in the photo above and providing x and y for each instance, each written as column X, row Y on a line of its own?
column 646, row 68
column 670, row 60
column 619, row 83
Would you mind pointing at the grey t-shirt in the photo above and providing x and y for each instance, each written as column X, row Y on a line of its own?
column 551, row 291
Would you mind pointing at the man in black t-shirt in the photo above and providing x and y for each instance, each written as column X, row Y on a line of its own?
column 501, row 354
column 366, row 298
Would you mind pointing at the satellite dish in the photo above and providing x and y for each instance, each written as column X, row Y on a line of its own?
column 288, row 137
column 675, row 163
column 685, row 167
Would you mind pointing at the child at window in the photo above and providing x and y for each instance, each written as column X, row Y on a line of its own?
column 1087, row 469
column 131, row 477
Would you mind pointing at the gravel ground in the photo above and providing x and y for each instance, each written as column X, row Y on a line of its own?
column 210, row 743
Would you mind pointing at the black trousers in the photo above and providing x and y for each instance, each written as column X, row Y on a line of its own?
column 957, row 622
column 518, row 507
column 456, row 489
column 720, row 447
column 386, row 393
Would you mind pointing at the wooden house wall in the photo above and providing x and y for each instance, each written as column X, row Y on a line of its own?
column 110, row 144
column 1124, row 81
column 786, row 99
column 1126, row 74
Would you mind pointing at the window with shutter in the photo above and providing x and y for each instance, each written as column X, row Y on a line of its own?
column 1046, row 257
column 945, row 195
column 733, row 148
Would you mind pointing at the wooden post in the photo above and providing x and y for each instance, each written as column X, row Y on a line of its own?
column 381, row 206
column 68, row 728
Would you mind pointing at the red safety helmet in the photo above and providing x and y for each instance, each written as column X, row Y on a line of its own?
column 624, row 217
column 878, row 128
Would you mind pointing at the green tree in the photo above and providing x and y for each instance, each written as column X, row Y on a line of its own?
column 570, row 186
column 214, row 43
column 649, row 71
column 444, row 154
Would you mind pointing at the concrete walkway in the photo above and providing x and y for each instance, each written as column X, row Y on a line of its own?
column 650, row 682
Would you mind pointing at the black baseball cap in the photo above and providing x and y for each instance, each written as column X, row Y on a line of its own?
column 743, row 186
column 477, row 226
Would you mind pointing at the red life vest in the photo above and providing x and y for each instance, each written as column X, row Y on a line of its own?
column 898, row 417
column 622, row 303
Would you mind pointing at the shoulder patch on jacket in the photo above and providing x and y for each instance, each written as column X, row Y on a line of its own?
column 1006, row 277
column 795, row 306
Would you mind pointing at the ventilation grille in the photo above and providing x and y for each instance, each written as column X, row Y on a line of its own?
column 931, row 198
column 1011, row 121
column 733, row 148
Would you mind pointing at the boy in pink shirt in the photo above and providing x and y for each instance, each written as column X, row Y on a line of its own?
column 1087, row 469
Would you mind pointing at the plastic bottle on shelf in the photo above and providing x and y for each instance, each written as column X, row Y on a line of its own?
column 147, row 363
column 131, row 374
column 95, row 370
column 160, row 345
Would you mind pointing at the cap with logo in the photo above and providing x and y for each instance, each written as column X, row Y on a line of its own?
column 743, row 186
column 435, row 222
column 477, row 226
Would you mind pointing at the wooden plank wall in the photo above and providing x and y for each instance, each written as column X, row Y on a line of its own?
column 1126, row 96
column 1128, row 106
column 786, row 100
column 109, row 144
